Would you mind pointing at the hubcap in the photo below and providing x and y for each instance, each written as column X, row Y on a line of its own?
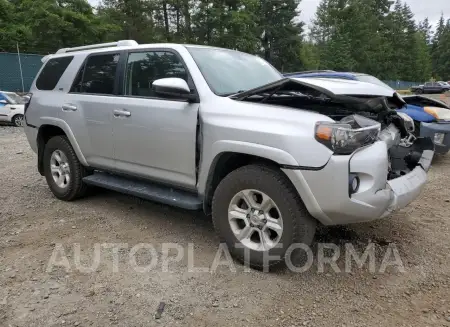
column 59, row 166
column 255, row 220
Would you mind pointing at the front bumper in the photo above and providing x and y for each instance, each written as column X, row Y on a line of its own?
column 430, row 129
column 325, row 192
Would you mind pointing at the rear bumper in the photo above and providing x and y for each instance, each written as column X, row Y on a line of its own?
column 326, row 192
column 430, row 129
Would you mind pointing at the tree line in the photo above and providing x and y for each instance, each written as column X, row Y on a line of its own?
column 378, row 37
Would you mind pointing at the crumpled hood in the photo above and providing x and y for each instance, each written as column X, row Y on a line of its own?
column 360, row 95
column 347, row 87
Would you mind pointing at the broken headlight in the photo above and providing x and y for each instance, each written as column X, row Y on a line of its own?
column 347, row 135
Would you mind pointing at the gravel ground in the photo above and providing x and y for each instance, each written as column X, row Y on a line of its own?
column 33, row 224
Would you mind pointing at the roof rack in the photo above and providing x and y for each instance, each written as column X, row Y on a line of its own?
column 121, row 43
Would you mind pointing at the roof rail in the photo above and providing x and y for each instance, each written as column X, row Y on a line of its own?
column 121, row 43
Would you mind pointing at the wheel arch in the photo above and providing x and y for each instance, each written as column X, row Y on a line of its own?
column 231, row 155
column 49, row 130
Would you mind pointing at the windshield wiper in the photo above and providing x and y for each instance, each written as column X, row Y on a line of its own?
column 233, row 93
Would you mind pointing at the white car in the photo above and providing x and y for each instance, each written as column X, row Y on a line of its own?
column 12, row 108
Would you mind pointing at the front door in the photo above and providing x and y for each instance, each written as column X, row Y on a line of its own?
column 155, row 137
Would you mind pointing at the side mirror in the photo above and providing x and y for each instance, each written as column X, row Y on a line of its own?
column 173, row 87
column 3, row 102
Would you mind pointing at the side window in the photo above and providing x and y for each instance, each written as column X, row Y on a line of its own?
column 428, row 84
column 143, row 68
column 98, row 75
column 52, row 72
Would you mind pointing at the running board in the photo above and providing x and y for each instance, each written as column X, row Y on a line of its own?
column 145, row 190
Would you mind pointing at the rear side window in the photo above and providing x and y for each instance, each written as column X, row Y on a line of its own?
column 98, row 75
column 52, row 72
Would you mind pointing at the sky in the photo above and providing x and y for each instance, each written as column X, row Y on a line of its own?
column 421, row 9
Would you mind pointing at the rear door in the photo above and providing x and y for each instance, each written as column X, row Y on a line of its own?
column 156, row 139
column 88, row 107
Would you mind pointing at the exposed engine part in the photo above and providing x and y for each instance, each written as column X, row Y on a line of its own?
column 404, row 159
column 408, row 122
column 408, row 141
column 390, row 135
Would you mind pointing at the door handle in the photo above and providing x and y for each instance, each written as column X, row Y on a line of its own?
column 69, row 107
column 121, row 113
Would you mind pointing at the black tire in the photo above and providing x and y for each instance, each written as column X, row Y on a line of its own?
column 298, row 225
column 76, row 188
column 419, row 91
column 18, row 120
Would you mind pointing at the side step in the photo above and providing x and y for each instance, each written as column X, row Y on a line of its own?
column 145, row 190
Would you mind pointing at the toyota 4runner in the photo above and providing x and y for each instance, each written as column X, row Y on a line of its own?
column 223, row 131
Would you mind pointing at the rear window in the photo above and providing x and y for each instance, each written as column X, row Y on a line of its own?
column 52, row 72
column 98, row 75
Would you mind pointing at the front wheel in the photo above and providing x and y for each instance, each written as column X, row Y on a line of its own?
column 18, row 120
column 62, row 169
column 257, row 212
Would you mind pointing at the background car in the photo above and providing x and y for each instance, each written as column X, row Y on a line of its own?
column 431, row 88
column 431, row 116
column 12, row 108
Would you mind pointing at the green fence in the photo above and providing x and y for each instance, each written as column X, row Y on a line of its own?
column 10, row 79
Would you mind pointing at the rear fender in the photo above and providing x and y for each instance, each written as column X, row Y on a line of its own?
column 65, row 127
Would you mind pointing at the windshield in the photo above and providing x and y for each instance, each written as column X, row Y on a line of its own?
column 228, row 72
column 372, row 79
column 13, row 98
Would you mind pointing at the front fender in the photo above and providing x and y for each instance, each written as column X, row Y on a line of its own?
column 279, row 156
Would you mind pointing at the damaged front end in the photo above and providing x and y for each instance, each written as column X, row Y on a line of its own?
column 362, row 113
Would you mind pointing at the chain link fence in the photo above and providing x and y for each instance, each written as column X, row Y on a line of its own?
column 10, row 76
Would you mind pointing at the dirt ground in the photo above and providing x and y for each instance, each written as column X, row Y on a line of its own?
column 33, row 224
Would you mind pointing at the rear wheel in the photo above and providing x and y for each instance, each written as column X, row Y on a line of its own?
column 62, row 169
column 18, row 120
column 259, row 215
column 419, row 91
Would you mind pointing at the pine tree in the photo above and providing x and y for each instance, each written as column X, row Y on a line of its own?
column 281, row 36
column 426, row 29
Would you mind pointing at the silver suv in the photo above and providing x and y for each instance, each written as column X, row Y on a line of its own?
column 219, row 130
